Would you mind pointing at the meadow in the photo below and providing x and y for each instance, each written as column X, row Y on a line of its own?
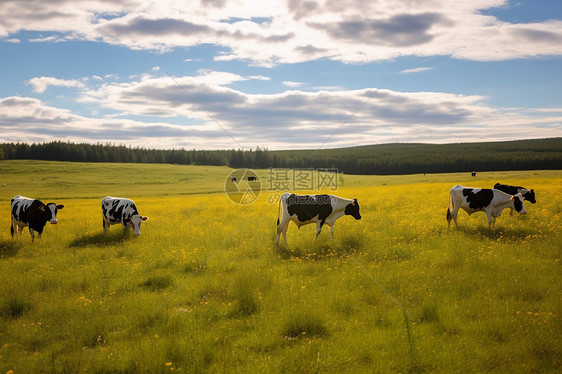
column 204, row 288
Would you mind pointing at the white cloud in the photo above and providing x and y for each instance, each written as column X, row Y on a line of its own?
column 259, row 77
column 329, row 88
column 218, row 77
column 298, row 119
column 47, row 39
column 293, row 84
column 293, row 119
column 277, row 32
column 415, row 70
column 40, row 84
column 353, row 31
column 30, row 120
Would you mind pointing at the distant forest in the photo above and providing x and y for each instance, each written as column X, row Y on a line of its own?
column 372, row 159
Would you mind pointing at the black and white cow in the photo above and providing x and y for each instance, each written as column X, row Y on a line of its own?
column 482, row 200
column 319, row 209
column 528, row 195
column 119, row 210
column 32, row 213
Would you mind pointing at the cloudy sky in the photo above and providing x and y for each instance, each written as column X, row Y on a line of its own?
column 210, row 74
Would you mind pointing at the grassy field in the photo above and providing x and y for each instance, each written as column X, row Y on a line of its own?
column 204, row 289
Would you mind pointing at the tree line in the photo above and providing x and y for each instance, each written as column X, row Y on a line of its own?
column 373, row 159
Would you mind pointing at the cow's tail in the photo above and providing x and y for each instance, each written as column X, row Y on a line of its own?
column 279, row 211
column 450, row 209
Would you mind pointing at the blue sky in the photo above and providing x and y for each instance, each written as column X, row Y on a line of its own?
column 219, row 74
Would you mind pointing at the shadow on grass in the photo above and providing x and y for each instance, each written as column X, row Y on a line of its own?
column 101, row 238
column 9, row 248
column 505, row 233
column 14, row 306
column 318, row 251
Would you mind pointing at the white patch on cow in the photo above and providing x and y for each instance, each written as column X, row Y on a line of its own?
column 21, row 203
column 136, row 221
column 52, row 209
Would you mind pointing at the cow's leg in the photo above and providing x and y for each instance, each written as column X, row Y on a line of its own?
column 32, row 234
column 454, row 215
column 279, row 231
column 285, row 232
column 491, row 220
column 105, row 226
column 318, row 229
column 14, row 228
column 450, row 210
column 332, row 231
column 18, row 231
column 282, row 228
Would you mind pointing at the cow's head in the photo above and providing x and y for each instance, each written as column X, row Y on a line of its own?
column 352, row 209
column 518, row 203
column 530, row 196
column 50, row 212
column 135, row 223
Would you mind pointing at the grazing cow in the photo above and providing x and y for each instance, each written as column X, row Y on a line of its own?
column 251, row 179
column 482, row 200
column 473, row 173
column 118, row 210
column 32, row 213
column 319, row 209
column 528, row 195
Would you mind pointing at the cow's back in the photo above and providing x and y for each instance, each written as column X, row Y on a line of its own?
column 511, row 190
column 471, row 199
column 528, row 194
column 307, row 207
column 21, row 206
column 114, row 207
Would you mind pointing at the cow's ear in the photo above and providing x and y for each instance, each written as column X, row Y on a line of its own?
column 60, row 206
column 42, row 208
column 144, row 218
column 354, row 202
column 512, row 198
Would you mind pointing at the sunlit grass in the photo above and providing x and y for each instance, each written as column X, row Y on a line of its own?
column 205, row 289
